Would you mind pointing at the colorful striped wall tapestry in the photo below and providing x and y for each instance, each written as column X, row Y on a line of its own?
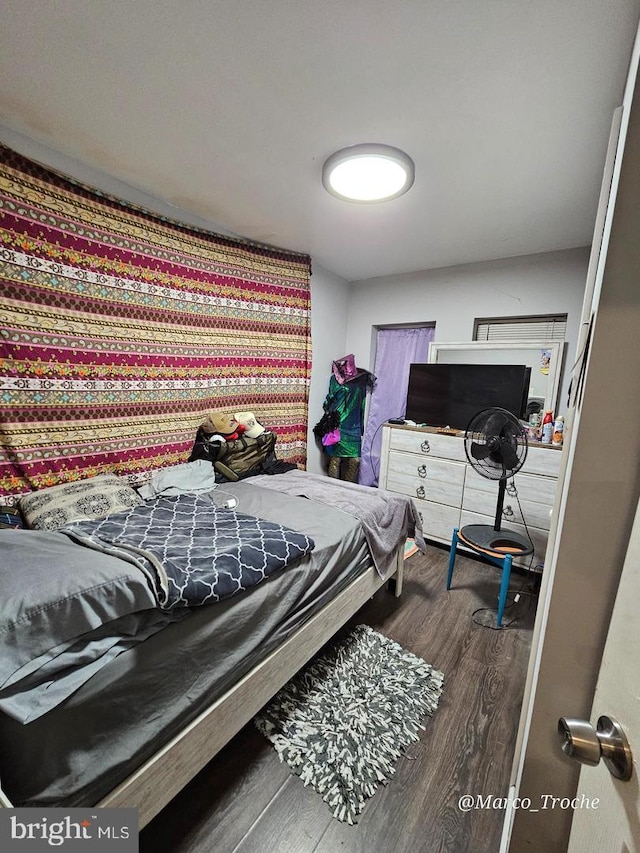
column 121, row 329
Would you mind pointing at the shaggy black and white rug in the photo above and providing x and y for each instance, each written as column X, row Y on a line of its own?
column 342, row 723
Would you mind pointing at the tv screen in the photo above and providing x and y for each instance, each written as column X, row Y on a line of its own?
column 449, row 395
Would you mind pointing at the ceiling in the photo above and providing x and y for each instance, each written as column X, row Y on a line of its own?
column 227, row 109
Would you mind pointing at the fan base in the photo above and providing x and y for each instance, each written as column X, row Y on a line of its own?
column 497, row 543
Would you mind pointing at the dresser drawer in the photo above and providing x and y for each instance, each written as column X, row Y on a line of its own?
column 542, row 460
column 430, row 490
column 430, row 479
column 541, row 490
column 483, row 501
column 428, row 468
column 438, row 520
column 428, row 444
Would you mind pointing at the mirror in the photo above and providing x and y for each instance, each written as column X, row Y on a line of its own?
column 543, row 357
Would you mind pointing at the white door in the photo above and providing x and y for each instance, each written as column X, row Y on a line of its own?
column 607, row 813
column 594, row 517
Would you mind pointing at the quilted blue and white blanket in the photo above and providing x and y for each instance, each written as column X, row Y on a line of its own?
column 193, row 552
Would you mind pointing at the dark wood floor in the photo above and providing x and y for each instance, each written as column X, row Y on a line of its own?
column 245, row 801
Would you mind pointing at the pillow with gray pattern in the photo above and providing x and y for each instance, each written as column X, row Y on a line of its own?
column 95, row 497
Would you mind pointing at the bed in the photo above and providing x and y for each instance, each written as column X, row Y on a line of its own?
column 187, row 678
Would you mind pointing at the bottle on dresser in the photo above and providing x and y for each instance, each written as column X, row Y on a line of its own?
column 558, row 431
column 547, row 427
column 533, row 433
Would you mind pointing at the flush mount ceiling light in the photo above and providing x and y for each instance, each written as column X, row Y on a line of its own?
column 368, row 173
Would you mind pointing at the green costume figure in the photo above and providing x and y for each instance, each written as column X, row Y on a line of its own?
column 348, row 400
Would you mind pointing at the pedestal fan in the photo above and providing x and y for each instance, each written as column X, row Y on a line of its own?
column 496, row 447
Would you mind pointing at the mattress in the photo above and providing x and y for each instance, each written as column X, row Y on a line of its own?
column 79, row 751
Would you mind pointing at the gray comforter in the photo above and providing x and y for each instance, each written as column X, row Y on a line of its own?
column 386, row 518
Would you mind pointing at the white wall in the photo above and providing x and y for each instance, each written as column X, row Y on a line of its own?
column 453, row 297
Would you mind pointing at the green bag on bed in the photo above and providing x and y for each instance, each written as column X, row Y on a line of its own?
column 237, row 459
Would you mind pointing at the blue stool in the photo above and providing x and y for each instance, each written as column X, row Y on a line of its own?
column 502, row 559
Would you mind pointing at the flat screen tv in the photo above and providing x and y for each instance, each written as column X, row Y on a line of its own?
column 449, row 395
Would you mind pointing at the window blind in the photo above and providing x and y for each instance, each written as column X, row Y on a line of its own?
column 498, row 329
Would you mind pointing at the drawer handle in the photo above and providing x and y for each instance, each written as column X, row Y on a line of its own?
column 511, row 490
column 425, row 447
column 420, row 492
column 507, row 512
column 422, row 471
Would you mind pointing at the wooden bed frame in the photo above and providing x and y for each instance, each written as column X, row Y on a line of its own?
column 161, row 777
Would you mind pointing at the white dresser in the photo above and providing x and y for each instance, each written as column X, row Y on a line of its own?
column 433, row 469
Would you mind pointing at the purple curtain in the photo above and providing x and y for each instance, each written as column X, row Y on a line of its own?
column 396, row 350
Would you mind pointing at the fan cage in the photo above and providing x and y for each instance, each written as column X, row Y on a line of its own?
column 511, row 431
